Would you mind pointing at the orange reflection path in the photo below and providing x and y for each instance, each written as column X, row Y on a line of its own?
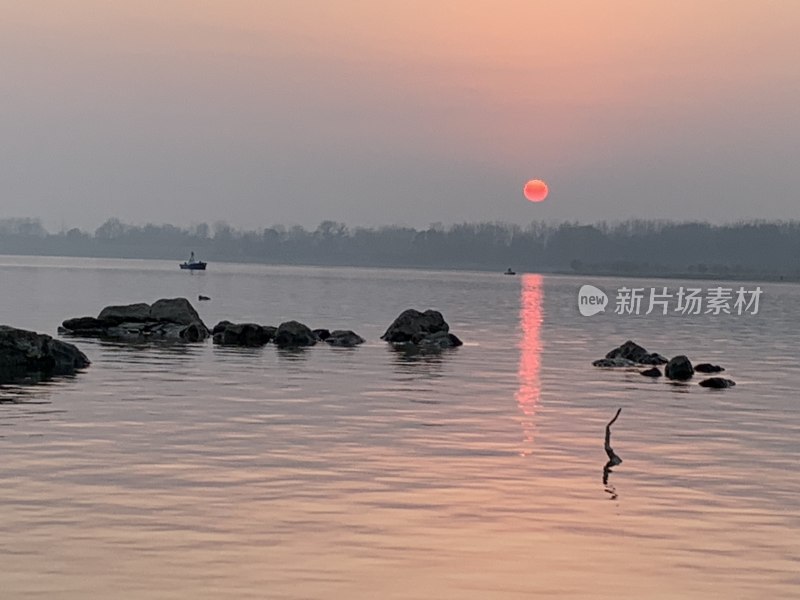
column 530, row 317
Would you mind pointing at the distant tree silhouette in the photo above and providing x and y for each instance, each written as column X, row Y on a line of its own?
column 636, row 247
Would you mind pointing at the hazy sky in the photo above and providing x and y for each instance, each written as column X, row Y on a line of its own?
column 408, row 112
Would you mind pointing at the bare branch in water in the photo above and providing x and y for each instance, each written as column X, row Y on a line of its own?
column 613, row 459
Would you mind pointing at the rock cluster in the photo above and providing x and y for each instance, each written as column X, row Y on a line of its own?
column 291, row 334
column 168, row 319
column 23, row 353
column 678, row 368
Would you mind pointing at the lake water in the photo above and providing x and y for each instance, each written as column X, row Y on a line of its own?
column 204, row 472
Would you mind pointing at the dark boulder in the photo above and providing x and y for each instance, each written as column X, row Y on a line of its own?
column 708, row 368
column 413, row 325
column 717, row 383
column 421, row 331
column 679, row 368
column 243, row 334
column 27, row 353
column 652, row 372
column 293, row 334
column 322, row 334
column 344, row 338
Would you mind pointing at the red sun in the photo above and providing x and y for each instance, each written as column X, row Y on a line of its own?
column 535, row 190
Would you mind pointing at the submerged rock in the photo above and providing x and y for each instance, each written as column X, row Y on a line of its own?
column 633, row 352
column 169, row 319
column 89, row 326
column 717, row 383
column 652, row 372
column 221, row 326
column 614, row 362
column 322, row 334
column 293, row 334
column 440, row 339
column 654, row 358
column 679, row 368
column 343, row 338
column 25, row 353
column 242, row 334
column 708, row 368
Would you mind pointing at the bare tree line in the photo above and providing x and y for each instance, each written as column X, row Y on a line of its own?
column 637, row 247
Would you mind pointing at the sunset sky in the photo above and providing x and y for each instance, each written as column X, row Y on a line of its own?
column 295, row 111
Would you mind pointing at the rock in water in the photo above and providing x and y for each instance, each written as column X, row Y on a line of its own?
column 24, row 353
column 653, row 372
column 717, row 383
column 426, row 331
column 242, row 334
column 679, row 368
column 613, row 362
column 630, row 350
column 441, row 339
column 220, row 327
column 322, row 334
column 174, row 310
column 88, row 326
column 292, row 334
column 654, row 358
column 413, row 324
column 129, row 313
column 708, row 368
column 343, row 338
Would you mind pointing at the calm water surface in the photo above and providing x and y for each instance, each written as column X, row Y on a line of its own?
column 205, row 472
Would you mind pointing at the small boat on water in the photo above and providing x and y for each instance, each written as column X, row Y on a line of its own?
column 193, row 265
column 508, row 271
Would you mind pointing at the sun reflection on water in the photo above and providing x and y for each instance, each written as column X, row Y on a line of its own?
column 530, row 317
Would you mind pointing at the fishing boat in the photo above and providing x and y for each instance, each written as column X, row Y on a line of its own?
column 508, row 271
column 193, row 265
